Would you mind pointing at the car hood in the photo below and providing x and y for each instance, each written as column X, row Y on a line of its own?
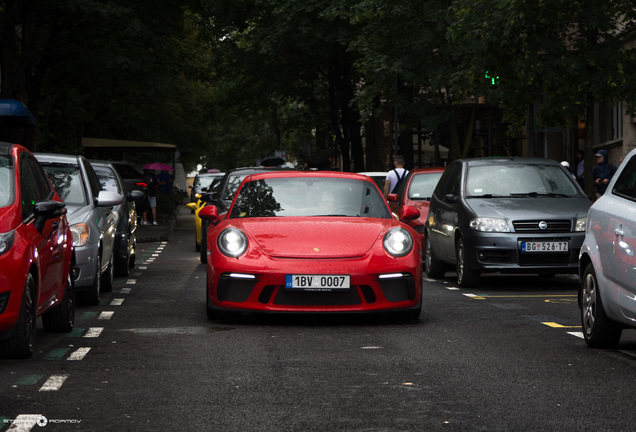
column 530, row 208
column 77, row 214
column 332, row 237
column 10, row 218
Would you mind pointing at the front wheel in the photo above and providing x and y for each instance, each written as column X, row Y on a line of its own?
column 434, row 268
column 465, row 276
column 204, row 243
column 599, row 331
column 62, row 317
column 108, row 276
column 92, row 295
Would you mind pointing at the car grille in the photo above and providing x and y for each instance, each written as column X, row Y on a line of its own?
column 532, row 226
column 305, row 298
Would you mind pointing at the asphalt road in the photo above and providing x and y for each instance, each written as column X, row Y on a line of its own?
column 503, row 357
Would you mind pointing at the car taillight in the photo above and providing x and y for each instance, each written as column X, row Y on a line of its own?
column 142, row 185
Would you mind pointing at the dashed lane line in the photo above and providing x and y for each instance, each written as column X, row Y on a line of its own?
column 54, row 383
column 79, row 354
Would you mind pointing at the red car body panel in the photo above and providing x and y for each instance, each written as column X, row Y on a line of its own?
column 398, row 201
column 48, row 255
column 314, row 245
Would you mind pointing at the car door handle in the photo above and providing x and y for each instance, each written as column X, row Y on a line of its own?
column 619, row 233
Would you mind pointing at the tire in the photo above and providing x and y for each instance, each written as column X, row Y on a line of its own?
column 20, row 343
column 599, row 331
column 465, row 276
column 61, row 319
column 92, row 296
column 434, row 268
column 108, row 276
column 122, row 266
column 133, row 254
column 197, row 245
column 204, row 243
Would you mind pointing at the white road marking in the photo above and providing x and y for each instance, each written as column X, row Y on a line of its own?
column 24, row 422
column 125, row 290
column 577, row 334
column 79, row 354
column 131, row 281
column 94, row 332
column 143, row 268
column 106, row 315
column 117, row 302
column 54, row 383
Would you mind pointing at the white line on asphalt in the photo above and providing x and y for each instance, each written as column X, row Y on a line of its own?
column 131, row 281
column 94, row 332
column 24, row 422
column 577, row 334
column 452, row 288
column 79, row 354
column 125, row 290
column 106, row 315
column 117, row 302
column 143, row 268
column 54, row 383
column 155, row 255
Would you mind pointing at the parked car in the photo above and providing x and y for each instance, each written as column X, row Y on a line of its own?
column 93, row 222
column 314, row 242
column 607, row 265
column 416, row 190
column 512, row 215
column 36, row 254
column 126, row 236
column 222, row 197
column 134, row 180
column 379, row 177
column 202, row 183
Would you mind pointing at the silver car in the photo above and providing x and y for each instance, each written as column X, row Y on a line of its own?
column 126, row 237
column 607, row 264
column 93, row 222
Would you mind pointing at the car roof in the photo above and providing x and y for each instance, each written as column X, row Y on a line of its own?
column 314, row 174
column 59, row 158
column 509, row 160
column 428, row 170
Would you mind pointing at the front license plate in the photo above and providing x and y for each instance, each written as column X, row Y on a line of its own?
column 547, row 246
column 317, row 282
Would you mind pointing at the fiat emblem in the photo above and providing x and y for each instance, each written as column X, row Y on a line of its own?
column 543, row 225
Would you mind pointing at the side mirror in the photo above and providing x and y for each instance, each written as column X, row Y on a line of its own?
column 210, row 213
column 136, row 195
column 450, row 198
column 392, row 197
column 409, row 213
column 108, row 199
column 45, row 210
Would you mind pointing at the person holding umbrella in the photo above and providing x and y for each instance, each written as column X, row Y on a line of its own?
column 151, row 181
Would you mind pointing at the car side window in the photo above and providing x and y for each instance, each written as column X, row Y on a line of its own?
column 93, row 180
column 626, row 183
column 33, row 184
column 449, row 182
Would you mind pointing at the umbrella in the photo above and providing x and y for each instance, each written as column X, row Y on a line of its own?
column 158, row 166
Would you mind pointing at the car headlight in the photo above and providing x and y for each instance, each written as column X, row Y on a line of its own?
column 80, row 233
column 232, row 242
column 581, row 224
column 398, row 242
column 6, row 241
column 490, row 225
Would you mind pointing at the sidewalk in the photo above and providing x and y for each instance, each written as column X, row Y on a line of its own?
column 153, row 233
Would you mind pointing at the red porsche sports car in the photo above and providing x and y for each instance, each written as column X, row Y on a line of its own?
column 312, row 241
column 36, row 254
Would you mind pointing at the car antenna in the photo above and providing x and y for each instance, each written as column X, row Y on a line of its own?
column 507, row 151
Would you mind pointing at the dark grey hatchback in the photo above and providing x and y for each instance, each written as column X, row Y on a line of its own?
column 512, row 215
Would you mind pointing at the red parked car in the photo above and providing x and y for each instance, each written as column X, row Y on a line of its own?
column 36, row 252
column 416, row 190
column 312, row 242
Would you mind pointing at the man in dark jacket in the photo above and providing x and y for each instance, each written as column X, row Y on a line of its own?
column 603, row 172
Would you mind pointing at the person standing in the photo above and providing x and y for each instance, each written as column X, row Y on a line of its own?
column 151, row 182
column 580, row 168
column 603, row 172
column 395, row 176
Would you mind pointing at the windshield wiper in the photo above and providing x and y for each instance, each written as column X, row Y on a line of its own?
column 536, row 194
column 487, row 196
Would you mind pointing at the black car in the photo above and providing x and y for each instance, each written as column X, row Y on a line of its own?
column 124, row 252
column 513, row 215
column 223, row 195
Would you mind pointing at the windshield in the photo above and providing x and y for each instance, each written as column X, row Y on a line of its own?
column 204, row 182
column 6, row 181
column 67, row 182
column 232, row 186
column 309, row 196
column 518, row 180
column 423, row 185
